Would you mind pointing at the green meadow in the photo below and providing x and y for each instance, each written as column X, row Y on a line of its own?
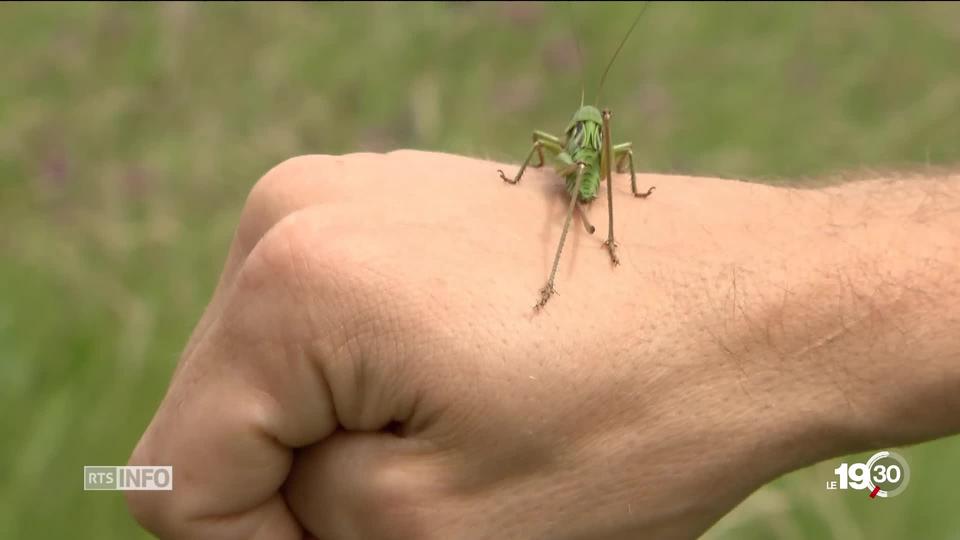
column 130, row 135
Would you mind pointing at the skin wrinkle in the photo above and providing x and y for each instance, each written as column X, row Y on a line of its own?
column 318, row 382
column 728, row 351
column 268, row 422
column 353, row 410
column 826, row 340
column 401, row 355
column 857, row 300
column 840, row 371
column 760, row 334
column 348, row 394
column 300, row 270
column 322, row 357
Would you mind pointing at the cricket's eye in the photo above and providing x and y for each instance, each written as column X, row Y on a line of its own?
column 577, row 134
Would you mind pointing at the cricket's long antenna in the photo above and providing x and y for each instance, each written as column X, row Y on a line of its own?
column 576, row 40
column 622, row 43
column 580, row 66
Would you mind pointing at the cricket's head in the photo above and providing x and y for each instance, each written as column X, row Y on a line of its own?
column 585, row 129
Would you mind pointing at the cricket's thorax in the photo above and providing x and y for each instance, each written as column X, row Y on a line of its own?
column 583, row 144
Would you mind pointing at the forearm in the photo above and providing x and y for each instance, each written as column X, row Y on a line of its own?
column 893, row 297
column 847, row 313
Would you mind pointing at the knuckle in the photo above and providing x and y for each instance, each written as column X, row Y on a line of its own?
column 279, row 254
column 148, row 515
column 142, row 511
column 293, row 269
column 146, row 507
column 284, row 189
column 278, row 181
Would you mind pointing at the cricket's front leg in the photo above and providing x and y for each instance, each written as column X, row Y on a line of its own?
column 623, row 152
column 551, row 141
column 541, row 140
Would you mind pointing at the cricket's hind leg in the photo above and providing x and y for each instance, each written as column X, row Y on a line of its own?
column 566, row 170
column 548, row 290
column 586, row 222
column 541, row 141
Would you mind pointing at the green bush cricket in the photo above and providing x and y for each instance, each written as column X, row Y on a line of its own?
column 584, row 158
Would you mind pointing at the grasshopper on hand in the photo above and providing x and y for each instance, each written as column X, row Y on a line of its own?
column 584, row 156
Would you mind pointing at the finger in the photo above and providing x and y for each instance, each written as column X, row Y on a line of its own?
column 365, row 486
column 222, row 431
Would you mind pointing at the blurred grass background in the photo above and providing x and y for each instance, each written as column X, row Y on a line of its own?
column 131, row 133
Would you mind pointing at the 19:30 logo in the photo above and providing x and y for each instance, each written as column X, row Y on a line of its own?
column 886, row 474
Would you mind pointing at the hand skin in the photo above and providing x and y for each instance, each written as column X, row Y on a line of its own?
column 371, row 366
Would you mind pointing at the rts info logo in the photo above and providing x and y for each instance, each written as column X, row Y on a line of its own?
column 128, row 478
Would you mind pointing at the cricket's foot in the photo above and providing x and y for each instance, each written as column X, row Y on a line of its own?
column 505, row 179
column 545, row 293
column 612, row 248
column 647, row 194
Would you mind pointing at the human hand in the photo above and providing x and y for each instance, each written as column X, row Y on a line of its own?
column 371, row 366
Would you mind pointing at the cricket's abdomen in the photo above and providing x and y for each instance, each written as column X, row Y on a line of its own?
column 589, row 186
